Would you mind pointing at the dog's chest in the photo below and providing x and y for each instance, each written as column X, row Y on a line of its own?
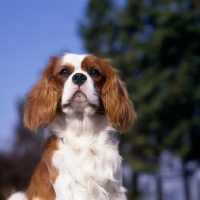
column 78, row 157
column 86, row 167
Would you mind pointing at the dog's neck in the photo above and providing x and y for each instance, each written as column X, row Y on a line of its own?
column 79, row 122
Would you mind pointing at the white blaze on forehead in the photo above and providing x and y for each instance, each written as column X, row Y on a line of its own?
column 73, row 59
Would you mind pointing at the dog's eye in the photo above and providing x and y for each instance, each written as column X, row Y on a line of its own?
column 64, row 72
column 94, row 72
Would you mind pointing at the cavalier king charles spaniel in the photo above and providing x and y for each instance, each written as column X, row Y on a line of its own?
column 81, row 102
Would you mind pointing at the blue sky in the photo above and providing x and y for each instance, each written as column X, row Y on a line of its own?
column 30, row 32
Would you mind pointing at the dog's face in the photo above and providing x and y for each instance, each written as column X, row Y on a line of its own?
column 85, row 78
column 74, row 82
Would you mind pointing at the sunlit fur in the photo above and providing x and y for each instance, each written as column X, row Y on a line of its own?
column 80, row 159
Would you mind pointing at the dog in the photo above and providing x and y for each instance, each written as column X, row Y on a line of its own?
column 81, row 102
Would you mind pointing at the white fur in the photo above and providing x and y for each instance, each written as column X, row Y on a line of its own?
column 18, row 196
column 73, row 59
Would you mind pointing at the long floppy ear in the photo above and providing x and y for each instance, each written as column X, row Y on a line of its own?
column 41, row 102
column 118, row 106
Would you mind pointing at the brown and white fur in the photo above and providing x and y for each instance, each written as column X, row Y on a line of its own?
column 80, row 101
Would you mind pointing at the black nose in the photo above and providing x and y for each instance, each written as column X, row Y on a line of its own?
column 79, row 79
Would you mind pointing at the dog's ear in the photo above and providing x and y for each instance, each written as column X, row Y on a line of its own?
column 117, row 104
column 41, row 102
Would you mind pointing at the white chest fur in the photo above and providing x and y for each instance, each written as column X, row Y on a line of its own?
column 89, row 166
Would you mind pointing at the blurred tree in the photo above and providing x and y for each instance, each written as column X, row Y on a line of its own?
column 156, row 46
column 101, row 28
column 17, row 166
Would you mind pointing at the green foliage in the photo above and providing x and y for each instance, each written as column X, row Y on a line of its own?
column 156, row 46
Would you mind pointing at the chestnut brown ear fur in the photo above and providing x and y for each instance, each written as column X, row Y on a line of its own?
column 118, row 106
column 41, row 102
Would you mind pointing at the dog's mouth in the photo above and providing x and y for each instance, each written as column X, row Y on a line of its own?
column 78, row 98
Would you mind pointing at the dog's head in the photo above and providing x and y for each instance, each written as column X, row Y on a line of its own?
column 76, row 82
